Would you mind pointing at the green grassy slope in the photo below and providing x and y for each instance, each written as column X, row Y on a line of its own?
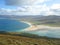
column 22, row 40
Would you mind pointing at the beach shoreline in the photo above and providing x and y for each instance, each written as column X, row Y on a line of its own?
column 37, row 27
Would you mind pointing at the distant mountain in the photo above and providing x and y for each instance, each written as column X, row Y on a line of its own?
column 39, row 17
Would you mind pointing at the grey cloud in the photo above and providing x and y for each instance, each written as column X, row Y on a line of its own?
column 19, row 2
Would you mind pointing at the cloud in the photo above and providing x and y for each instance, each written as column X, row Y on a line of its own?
column 54, row 9
column 32, row 10
column 31, row 7
column 24, row 2
column 55, row 6
column 26, row 10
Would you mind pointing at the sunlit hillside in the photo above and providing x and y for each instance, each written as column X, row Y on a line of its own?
column 22, row 40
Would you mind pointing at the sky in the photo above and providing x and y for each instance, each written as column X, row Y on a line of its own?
column 30, row 7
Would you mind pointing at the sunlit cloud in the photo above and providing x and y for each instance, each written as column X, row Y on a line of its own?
column 31, row 7
column 55, row 6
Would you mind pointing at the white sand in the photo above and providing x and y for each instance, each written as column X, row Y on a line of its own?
column 36, row 27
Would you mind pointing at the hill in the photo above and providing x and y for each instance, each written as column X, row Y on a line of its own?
column 51, row 20
column 13, row 39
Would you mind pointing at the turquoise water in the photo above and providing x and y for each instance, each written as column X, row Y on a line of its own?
column 12, row 25
column 53, row 33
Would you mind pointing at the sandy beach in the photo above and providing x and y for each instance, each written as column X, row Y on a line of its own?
column 38, row 27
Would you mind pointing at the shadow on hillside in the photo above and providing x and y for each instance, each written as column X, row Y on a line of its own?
column 22, row 34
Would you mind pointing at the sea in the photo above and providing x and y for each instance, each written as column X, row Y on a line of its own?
column 11, row 25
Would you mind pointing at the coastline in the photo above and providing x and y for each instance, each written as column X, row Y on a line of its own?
column 30, row 25
column 37, row 27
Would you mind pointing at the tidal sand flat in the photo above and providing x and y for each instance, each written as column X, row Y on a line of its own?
column 43, row 30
